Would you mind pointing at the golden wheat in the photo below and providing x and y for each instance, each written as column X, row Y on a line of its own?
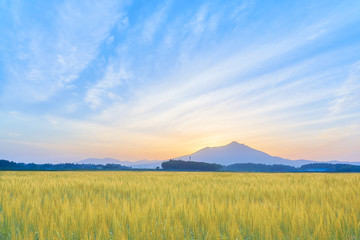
column 178, row 205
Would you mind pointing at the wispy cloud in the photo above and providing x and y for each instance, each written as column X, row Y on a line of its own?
column 105, row 88
column 50, row 60
column 154, row 22
column 348, row 96
column 199, row 21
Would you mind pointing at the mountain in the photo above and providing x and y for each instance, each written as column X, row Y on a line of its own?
column 224, row 155
column 145, row 164
column 136, row 164
column 239, row 153
column 102, row 161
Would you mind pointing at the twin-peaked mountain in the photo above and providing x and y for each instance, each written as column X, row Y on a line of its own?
column 239, row 153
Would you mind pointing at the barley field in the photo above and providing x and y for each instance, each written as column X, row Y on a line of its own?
column 178, row 205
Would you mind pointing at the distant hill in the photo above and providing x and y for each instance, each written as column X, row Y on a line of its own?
column 96, row 161
column 136, row 164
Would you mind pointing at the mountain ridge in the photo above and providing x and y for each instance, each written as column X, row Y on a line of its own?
column 235, row 152
column 138, row 164
column 231, row 153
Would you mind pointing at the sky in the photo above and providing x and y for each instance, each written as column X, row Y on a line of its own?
column 159, row 79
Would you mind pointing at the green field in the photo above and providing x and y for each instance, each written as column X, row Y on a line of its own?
column 178, row 205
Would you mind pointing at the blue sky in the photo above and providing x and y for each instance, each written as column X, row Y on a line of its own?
column 160, row 79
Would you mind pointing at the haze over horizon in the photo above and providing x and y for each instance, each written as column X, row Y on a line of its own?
column 157, row 79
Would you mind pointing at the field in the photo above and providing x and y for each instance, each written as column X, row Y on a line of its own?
column 178, row 205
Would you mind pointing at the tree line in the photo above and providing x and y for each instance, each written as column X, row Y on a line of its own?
column 180, row 165
column 7, row 165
